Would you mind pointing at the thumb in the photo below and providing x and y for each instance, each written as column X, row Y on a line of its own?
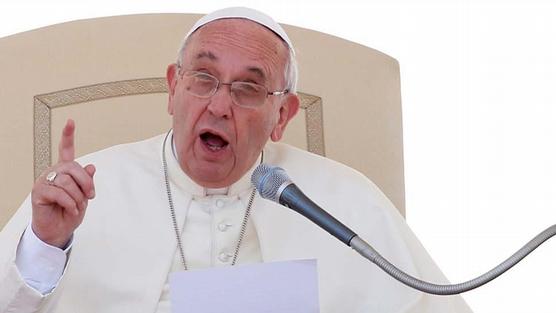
column 90, row 169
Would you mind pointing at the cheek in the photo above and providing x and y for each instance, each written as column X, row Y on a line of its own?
column 256, row 130
column 185, row 113
column 270, row 120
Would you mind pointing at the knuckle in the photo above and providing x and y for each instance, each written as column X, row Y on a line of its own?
column 88, row 184
column 80, row 197
column 34, row 201
column 67, row 202
column 77, row 166
column 38, row 193
column 65, row 180
column 67, row 166
column 61, row 165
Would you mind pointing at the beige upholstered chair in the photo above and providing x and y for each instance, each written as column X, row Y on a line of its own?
column 108, row 75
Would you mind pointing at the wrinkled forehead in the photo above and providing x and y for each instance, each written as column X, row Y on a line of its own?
column 245, row 44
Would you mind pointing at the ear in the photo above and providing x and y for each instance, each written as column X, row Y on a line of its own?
column 288, row 109
column 171, row 79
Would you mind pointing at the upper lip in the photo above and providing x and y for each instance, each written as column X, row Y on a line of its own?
column 214, row 132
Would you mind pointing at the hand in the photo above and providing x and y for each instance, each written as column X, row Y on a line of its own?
column 59, row 206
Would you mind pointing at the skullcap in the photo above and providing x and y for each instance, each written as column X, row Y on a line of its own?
column 244, row 13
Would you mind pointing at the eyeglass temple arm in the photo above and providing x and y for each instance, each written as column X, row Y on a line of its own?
column 278, row 93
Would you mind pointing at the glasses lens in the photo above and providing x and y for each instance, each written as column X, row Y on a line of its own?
column 248, row 94
column 199, row 84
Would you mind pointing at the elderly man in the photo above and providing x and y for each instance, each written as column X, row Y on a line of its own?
column 184, row 200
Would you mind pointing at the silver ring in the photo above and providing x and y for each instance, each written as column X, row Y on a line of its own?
column 50, row 177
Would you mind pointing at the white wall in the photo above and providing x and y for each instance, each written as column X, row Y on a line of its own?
column 478, row 90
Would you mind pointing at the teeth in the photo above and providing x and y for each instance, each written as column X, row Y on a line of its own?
column 214, row 142
column 214, row 148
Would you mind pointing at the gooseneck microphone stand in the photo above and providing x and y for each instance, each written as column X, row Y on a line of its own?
column 274, row 184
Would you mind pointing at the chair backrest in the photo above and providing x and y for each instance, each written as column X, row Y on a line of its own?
column 108, row 75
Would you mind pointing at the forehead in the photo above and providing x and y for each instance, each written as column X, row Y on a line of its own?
column 239, row 41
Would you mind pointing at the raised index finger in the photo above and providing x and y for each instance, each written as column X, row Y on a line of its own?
column 66, row 149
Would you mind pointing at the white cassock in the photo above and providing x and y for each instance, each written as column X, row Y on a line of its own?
column 126, row 247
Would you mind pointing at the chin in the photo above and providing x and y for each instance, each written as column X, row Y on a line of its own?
column 212, row 176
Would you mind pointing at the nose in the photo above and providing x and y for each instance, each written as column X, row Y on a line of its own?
column 220, row 104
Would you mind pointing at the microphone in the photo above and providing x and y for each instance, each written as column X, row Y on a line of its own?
column 274, row 184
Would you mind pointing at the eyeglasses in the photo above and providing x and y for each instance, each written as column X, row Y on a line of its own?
column 243, row 94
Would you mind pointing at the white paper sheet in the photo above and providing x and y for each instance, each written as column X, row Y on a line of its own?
column 276, row 287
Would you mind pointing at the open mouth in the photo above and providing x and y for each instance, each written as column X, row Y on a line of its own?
column 213, row 141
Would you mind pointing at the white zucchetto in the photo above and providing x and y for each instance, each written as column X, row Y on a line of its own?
column 244, row 13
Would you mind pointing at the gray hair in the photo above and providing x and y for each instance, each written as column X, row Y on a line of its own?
column 290, row 70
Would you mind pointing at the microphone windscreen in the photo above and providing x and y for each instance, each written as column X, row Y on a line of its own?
column 268, row 179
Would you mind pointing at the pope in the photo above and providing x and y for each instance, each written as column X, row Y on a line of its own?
column 104, row 237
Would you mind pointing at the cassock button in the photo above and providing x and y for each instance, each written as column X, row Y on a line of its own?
column 224, row 257
column 220, row 203
column 224, row 226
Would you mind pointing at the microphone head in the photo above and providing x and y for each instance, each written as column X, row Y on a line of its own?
column 268, row 179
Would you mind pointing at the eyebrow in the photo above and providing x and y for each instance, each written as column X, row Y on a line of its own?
column 209, row 55
column 206, row 54
column 257, row 71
